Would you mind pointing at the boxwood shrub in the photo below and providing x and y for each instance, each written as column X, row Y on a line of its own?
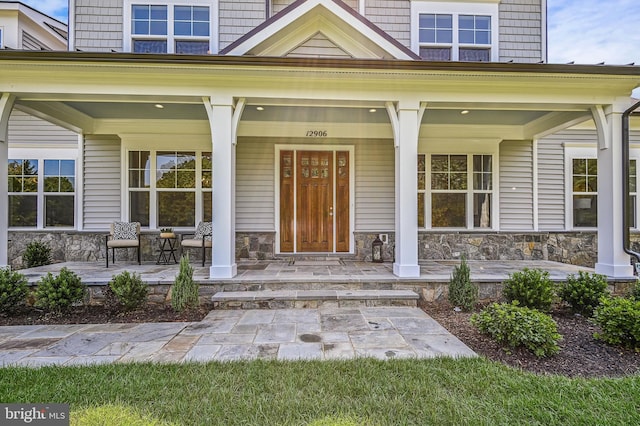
column 531, row 288
column 517, row 326
column 619, row 320
column 583, row 292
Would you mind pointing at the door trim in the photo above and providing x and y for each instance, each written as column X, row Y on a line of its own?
column 310, row 147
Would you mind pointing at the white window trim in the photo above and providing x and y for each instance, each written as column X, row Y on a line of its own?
column 578, row 150
column 456, row 8
column 461, row 147
column 58, row 154
column 170, row 38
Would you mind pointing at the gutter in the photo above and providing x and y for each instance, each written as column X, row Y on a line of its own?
column 626, row 222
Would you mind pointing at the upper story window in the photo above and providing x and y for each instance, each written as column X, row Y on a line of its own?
column 171, row 28
column 454, row 31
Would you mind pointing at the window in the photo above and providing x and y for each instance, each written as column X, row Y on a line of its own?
column 446, row 31
column 460, row 191
column 166, row 188
column 41, row 193
column 585, row 192
column 158, row 28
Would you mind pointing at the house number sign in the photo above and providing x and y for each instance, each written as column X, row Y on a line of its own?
column 316, row 134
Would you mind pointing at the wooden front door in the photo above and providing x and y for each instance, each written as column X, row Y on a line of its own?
column 318, row 221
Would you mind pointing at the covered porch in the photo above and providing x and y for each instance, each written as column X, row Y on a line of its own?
column 415, row 111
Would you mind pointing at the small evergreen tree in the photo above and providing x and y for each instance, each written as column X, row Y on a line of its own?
column 36, row 254
column 462, row 292
column 13, row 290
column 184, row 294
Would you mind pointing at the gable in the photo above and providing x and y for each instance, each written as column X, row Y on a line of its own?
column 319, row 45
column 315, row 28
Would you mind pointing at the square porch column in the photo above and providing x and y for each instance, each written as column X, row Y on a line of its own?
column 224, row 174
column 406, row 263
column 612, row 260
column 6, row 105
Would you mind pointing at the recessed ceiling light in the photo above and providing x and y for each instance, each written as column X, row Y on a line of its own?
column 260, row 108
column 372, row 110
column 464, row 111
column 159, row 106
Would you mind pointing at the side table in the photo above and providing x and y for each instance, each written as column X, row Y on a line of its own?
column 167, row 249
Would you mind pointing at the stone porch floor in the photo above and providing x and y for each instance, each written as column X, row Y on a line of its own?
column 301, row 271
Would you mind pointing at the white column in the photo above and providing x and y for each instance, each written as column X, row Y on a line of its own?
column 6, row 105
column 406, row 263
column 224, row 171
column 612, row 260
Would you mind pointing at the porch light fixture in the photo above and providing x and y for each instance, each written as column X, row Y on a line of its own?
column 464, row 112
column 260, row 108
column 373, row 110
column 376, row 250
column 159, row 106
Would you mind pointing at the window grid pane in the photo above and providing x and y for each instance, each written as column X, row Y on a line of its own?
column 148, row 19
column 23, row 175
column 474, row 29
column 191, row 21
column 435, row 28
column 23, row 210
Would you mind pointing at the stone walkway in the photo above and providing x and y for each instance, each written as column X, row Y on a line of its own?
column 227, row 335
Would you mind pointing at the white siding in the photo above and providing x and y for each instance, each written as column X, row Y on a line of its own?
column 551, row 194
column 101, row 181
column 318, row 46
column 98, row 25
column 255, row 185
column 30, row 42
column 521, row 32
column 27, row 131
column 374, row 184
column 516, row 185
column 238, row 18
column 392, row 16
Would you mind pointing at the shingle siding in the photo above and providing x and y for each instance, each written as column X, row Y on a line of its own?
column 98, row 25
column 238, row 18
column 30, row 42
column 392, row 16
column 102, row 190
column 521, row 32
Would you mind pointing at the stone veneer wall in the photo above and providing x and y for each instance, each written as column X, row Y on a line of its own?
column 577, row 248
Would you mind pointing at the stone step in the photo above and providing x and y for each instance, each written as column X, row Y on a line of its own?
column 287, row 299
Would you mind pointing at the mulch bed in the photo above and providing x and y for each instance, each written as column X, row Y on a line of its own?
column 581, row 355
column 103, row 315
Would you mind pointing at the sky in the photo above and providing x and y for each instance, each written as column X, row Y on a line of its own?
column 583, row 31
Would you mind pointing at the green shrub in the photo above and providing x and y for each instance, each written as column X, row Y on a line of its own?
column 583, row 293
column 184, row 294
column 129, row 290
column 36, row 254
column 58, row 293
column 13, row 290
column 635, row 291
column 619, row 320
column 515, row 326
column 462, row 292
column 532, row 288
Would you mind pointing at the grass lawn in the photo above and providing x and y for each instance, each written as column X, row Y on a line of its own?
column 355, row 392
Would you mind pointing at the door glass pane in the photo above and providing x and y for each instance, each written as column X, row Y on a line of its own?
column 421, row 211
column 206, row 207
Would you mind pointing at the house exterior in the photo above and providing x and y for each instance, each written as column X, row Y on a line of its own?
column 314, row 126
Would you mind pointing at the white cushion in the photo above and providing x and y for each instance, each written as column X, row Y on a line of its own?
column 191, row 242
column 122, row 243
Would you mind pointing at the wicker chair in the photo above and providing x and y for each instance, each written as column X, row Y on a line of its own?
column 123, row 235
column 200, row 239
